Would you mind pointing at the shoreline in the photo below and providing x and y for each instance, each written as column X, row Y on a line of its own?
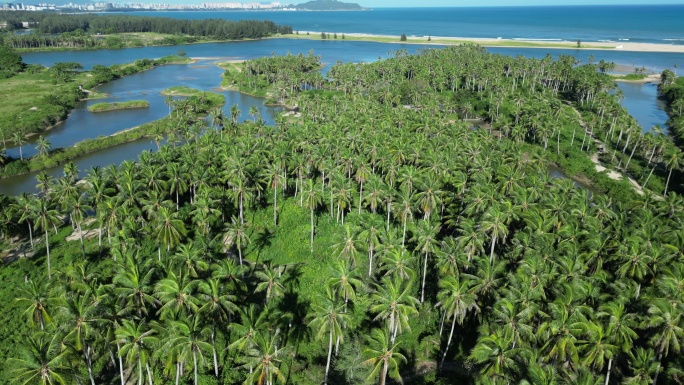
column 494, row 42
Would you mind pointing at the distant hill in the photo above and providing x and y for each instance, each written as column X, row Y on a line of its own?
column 328, row 5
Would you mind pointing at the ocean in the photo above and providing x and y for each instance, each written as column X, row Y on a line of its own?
column 635, row 23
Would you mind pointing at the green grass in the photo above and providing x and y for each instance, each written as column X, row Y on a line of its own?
column 180, row 91
column 113, row 106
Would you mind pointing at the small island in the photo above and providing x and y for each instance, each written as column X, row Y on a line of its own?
column 328, row 5
column 113, row 106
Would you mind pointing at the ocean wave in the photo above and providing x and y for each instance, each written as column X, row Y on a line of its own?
column 607, row 41
column 673, row 39
column 623, row 39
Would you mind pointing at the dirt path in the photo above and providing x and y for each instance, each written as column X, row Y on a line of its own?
column 600, row 167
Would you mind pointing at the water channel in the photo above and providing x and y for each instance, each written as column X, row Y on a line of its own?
column 639, row 99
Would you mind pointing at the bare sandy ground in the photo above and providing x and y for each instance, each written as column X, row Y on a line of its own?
column 618, row 46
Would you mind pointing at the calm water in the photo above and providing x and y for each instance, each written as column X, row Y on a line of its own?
column 640, row 23
column 641, row 100
column 333, row 51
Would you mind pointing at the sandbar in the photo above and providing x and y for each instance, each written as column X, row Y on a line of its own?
column 499, row 42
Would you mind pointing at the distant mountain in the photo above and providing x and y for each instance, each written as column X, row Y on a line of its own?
column 328, row 5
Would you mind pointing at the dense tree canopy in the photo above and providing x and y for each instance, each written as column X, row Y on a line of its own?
column 405, row 244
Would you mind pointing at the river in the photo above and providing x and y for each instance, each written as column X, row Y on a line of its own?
column 81, row 124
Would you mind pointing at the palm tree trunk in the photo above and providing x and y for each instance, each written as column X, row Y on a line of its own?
column 610, row 363
column 194, row 361
column 327, row 365
column 140, row 374
column 655, row 377
column 312, row 228
column 89, row 362
column 47, row 247
column 370, row 259
column 383, row 376
column 451, row 335
column 30, row 233
column 403, row 234
column 177, row 372
column 360, row 195
column 80, row 235
column 649, row 175
column 422, row 292
column 149, row 374
column 275, row 206
column 213, row 350
column 664, row 194
column 491, row 253
column 121, row 372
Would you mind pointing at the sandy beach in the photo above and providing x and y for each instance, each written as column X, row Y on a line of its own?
column 556, row 44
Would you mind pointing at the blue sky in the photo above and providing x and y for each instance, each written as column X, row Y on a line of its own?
column 480, row 3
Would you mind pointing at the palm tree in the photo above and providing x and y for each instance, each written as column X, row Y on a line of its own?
column 345, row 280
column 666, row 318
column 457, row 300
column 136, row 341
column 169, row 230
column 46, row 217
column 383, row 356
column 42, row 145
column 176, row 294
column 25, row 205
column 36, row 299
column 393, row 302
column 329, row 317
column 270, row 281
column 185, row 338
column 264, row 360
column 370, row 235
column 43, row 362
column 235, row 234
column 427, row 244
column 79, row 312
column 19, row 140
column 219, row 305
column 497, row 353
column 493, row 222
column 673, row 160
column 313, row 200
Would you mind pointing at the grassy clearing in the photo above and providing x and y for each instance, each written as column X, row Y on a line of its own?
column 113, row 106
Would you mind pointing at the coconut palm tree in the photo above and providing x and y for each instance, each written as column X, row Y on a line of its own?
column 43, row 146
column 137, row 341
column 457, row 300
column 235, row 234
column 393, row 302
column 37, row 301
column 313, row 200
column 383, row 356
column 329, row 318
column 43, row 361
column 46, row 217
column 19, row 140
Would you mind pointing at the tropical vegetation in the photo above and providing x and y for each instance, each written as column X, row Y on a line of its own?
column 404, row 228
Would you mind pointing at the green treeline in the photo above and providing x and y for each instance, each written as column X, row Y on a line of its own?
column 672, row 90
column 85, row 30
column 377, row 237
column 112, row 106
column 277, row 77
